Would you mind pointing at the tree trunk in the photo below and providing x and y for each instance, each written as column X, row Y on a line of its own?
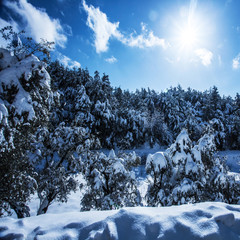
column 45, row 203
column 21, row 210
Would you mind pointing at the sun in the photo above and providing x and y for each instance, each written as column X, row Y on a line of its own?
column 189, row 31
column 188, row 36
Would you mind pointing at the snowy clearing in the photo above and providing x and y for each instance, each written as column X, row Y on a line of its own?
column 199, row 221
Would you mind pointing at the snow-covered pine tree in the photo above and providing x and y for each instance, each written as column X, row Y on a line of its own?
column 159, row 170
column 110, row 182
column 216, row 125
column 25, row 99
column 219, row 185
column 22, row 46
column 176, row 176
column 157, row 130
column 233, row 123
column 188, row 175
column 58, row 156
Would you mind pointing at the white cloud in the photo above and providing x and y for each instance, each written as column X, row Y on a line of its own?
column 75, row 64
column 236, row 62
column 67, row 62
column 145, row 39
column 111, row 59
column 104, row 30
column 38, row 23
column 204, row 55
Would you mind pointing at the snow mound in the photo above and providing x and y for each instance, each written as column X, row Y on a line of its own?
column 209, row 220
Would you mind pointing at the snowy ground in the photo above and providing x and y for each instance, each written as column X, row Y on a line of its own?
column 187, row 222
column 64, row 221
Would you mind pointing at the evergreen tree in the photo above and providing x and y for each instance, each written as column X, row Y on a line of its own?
column 187, row 174
column 110, row 182
column 188, row 170
column 58, row 156
column 159, row 189
column 25, row 98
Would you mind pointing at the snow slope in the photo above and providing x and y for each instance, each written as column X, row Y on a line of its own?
column 199, row 221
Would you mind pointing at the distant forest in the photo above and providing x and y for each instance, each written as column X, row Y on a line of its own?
column 123, row 119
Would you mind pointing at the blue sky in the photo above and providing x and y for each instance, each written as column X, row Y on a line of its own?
column 139, row 43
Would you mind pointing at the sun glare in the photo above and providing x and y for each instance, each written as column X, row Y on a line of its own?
column 190, row 30
column 188, row 37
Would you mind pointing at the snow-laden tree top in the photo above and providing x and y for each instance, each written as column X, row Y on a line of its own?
column 158, row 161
column 17, row 80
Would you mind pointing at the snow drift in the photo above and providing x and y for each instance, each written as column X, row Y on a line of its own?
column 208, row 220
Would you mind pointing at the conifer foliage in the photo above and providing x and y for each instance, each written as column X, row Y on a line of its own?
column 110, row 182
column 189, row 174
column 25, row 99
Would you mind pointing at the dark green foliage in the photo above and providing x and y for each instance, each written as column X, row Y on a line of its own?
column 57, row 157
column 16, row 174
column 186, row 174
column 110, row 182
column 18, row 123
column 126, row 119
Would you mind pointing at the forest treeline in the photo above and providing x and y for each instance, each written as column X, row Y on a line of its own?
column 124, row 119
